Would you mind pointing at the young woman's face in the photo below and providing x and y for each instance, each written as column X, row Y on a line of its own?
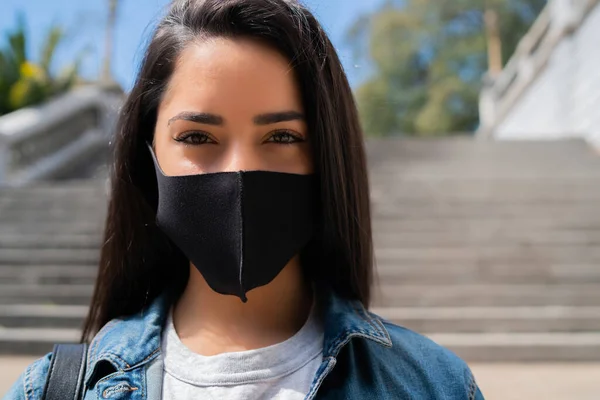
column 231, row 105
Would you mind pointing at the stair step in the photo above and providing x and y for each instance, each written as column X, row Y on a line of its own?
column 422, row 192
column 57, row 201
column 466, row 225
column 486, row 295
column 49, row 256
column 497, row 191
column 494, row 319
column 16, row 271
column 390, row 210
column 66, row 189
column 522, row 347
column 489, row 272
column 500, row 253
column 80, row 227
column 42, row 316
column 56, row 241
column 27, row 217
column 485, row 237
column 35, row 341
column 48, row 274
column 58, row 204
column 70, row 294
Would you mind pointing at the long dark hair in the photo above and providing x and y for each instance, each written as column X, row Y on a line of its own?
column 137, row 263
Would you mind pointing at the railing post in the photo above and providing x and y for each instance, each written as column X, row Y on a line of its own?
column 526, row 69
column 487, row 108
column 564, row 15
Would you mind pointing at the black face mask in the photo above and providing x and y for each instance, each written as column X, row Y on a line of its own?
column 238, row 228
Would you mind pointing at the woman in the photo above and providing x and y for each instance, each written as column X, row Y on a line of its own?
column 237, row 258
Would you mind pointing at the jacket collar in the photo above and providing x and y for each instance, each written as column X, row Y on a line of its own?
column 132, row 341
column 345, row 319
column 129, row 342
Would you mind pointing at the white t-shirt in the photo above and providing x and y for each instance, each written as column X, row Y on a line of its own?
column 281, row 371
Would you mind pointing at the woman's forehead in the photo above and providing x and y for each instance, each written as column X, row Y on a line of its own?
column 232, row 74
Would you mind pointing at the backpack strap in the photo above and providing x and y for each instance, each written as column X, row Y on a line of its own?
column 66, row 372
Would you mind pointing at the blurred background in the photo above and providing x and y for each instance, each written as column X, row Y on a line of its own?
column 482, row 123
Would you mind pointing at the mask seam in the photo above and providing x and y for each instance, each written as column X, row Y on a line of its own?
column 241, row 233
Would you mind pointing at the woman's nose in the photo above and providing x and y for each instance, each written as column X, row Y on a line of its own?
column 242, row 157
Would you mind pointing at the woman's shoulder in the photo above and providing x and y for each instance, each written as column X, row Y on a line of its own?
column 30, row 384
column 414, row 355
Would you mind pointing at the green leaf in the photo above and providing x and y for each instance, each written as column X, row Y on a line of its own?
column 23, row 82
column 53, row 38
column 17, row 41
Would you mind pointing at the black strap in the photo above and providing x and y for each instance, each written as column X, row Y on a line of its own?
column 66, row 373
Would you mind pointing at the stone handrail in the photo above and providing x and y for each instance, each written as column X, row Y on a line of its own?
column 558, row 19
column 35, row 142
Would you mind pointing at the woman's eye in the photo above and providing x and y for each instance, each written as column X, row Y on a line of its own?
column 285, row 138
column 194, row 138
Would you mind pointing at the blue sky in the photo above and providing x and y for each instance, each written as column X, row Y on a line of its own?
column 85, row 25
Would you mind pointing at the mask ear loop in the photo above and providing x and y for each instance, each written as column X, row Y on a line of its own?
column 156, row 164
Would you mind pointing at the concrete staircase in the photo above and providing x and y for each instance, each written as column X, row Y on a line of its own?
column 491, row 249
column 50, row 234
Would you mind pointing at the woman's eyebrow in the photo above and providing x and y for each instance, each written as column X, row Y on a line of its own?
column 272, row 118
column 202, row 118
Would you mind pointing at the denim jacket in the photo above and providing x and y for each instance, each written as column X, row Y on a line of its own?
column 364, row 357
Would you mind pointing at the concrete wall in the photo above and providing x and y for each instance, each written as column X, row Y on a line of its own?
column 564, row 98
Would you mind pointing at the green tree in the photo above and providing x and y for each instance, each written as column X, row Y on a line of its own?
column 24, row 82
column 428, row 58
